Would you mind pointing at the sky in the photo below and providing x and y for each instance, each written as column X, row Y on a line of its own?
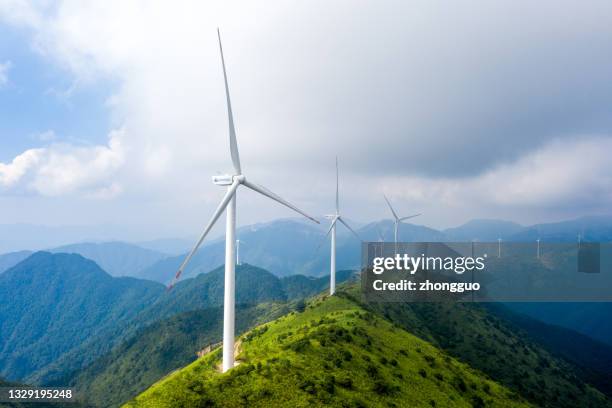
column 113, row 112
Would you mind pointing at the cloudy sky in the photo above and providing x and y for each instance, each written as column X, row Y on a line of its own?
column 114, row 111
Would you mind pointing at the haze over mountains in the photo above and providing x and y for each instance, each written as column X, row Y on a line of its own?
column 67, row 321
column 290, row 246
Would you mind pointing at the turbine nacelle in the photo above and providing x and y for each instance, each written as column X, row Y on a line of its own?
column 227, row 179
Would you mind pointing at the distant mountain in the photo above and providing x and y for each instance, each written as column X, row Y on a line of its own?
column 12, row 258
column 92, row 312
column 406, row 232
column 483, row 230
column 253, row 285
column 283, row 247
column 592, row 228
column 170, row 246
column 288, row 247
column 16, row 237
column 57, row 301
column 116, row 258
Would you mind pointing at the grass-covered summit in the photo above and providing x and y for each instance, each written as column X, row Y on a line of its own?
column 334, row 353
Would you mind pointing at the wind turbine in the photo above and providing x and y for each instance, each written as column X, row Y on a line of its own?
column 228, row 203
column 397, row 219
column 538, row 252
column 238, row 251
column 499, row 241
column 332, row 228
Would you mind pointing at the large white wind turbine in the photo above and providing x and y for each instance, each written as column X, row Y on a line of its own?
column 397, row 219
column 332, row 228
column 228, row 203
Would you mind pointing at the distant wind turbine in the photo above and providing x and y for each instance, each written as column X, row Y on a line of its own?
column 238, row 251
column 332, row 228
column 397, row 219
column 499, row 241
column 228, row 203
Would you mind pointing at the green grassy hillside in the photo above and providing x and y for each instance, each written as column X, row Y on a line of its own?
column 505, row 352
column 159, row 349
column 335, row 353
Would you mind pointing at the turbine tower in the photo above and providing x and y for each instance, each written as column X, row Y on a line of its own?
column 397, row 219
column 332, row 228
column 228, row 203
column 238, row 251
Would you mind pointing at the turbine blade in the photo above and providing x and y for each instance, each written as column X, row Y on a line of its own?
column 220, row 208
column 337, row 199
column 327, row 233
column 232, row 131
column 264, row 191
column 390, row 207
column 410, row 216
column 349, row 228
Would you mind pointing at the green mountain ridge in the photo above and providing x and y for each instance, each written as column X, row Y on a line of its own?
column 334, row 353
column 116, row 258
column 160, row 348
column 171, row 343
column 56, row 303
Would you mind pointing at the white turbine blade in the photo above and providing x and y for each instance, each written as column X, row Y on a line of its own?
column 226, row 199
column 390, row 207
column 349, row 228
column 230, row 116
column 275, row 197
column 410, row 216
column 327, row 233
column 337, row 199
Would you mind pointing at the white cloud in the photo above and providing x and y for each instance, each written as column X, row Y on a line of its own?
column 12, row 172
column 65, row 169
column 563, row 175
column 448, row 106
column 4, row 68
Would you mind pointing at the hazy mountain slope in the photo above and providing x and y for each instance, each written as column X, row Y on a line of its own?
column 591, row 319
column 12, row 258
column 170, row 246
column 253, row 285
column 483, row 230
column 407, row 232
column 300, row 286
column 283, row 247
column 161, row 348
column 332, row 354
column 592, row 228
column 56, row 302
column 593, row 359
column 474, row 335
column 116, row 258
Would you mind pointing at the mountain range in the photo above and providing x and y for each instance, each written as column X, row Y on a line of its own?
column 71, row 323
column 64, row 311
